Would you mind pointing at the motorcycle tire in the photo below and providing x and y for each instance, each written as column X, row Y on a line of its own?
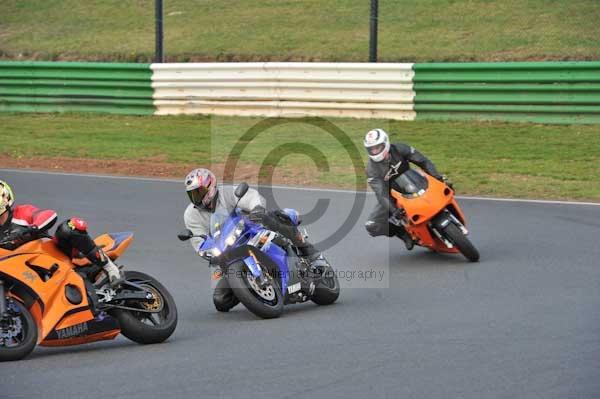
column 148, row 328
column 328, row 289
column 238, row 278
column 461, row 242
column 28, row 337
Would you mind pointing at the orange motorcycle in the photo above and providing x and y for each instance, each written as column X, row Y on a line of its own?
column 49, row 299
column 432, row 216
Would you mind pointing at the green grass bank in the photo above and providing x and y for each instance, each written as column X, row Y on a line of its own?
column 301, row 30
column 482, row 158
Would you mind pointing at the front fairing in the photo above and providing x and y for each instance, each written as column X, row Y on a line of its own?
column 222, row 228
column 22, row 268
column 427, row 198
column 224, row 250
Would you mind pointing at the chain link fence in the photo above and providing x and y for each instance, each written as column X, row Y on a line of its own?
column 300, row 30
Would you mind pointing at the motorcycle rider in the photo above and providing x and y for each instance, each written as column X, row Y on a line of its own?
column 386, row 162
column 206, row 197
column 21, row 224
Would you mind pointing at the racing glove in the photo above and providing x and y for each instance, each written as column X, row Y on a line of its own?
column 258, row 214
column 448, row 182
column 32, row 232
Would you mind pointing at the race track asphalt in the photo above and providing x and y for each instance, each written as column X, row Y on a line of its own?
column 522, row 323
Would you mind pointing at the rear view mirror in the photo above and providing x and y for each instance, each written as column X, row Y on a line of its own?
column 241, row 190
column 185, row 235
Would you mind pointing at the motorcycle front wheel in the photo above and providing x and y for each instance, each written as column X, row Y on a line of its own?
column 265, row 302
column 461, row 242
column 18, row 332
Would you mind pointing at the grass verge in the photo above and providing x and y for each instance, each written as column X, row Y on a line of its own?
column 482, row 158
column 301, row 30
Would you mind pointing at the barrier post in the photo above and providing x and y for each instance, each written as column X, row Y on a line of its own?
column 373, row 31
column 158, row 10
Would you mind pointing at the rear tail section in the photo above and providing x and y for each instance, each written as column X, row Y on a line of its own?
column 113, row 244
column 116, row 243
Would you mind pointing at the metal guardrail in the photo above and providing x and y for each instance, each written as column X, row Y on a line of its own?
column 76, row 86
column 285, row 89
column 547, row 92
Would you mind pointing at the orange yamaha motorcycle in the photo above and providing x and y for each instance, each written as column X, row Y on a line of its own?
column 432, row 216
column 49, row 299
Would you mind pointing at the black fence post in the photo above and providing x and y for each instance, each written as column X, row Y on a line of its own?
column 158, row 52
column 373, row 31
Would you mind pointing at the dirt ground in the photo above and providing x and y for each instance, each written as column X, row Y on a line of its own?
column 158, row 168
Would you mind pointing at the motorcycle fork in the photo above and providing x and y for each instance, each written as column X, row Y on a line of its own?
column 458, row 223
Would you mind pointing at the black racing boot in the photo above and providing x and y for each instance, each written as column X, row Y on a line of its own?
column 223, row 296
column 313, row 257
column 409, row 243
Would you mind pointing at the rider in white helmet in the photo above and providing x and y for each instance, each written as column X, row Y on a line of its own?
column 386, row 162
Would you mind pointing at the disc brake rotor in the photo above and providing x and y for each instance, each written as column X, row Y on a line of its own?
column 11, row 331
column 158, row 304
column 267, row 292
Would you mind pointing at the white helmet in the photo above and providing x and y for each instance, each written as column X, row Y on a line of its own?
column 377, row 144
column 201, row 187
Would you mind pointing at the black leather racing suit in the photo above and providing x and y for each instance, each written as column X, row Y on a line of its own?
column 379, row 174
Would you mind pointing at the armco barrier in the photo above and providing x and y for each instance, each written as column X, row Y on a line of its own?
column 285, row 89
column 76, row 86
column 548, row 92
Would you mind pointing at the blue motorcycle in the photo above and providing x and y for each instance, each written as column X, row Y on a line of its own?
column 262, row 267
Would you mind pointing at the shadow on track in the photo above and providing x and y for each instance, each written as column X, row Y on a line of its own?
column 425, row 259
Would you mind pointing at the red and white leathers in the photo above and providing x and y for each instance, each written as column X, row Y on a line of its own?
column 71, row 236
column 29, row 215
column 23, row 224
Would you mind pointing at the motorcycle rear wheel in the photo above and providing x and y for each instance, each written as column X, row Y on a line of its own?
column 239, row 279
column 148, row 328
column 24, row 341
column 461, row 242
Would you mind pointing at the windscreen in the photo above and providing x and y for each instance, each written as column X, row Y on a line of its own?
column 217, row 220
column 410, row 183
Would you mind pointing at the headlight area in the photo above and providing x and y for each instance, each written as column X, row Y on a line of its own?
column 229, row 241
column 235, row 234
column 211, row 253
